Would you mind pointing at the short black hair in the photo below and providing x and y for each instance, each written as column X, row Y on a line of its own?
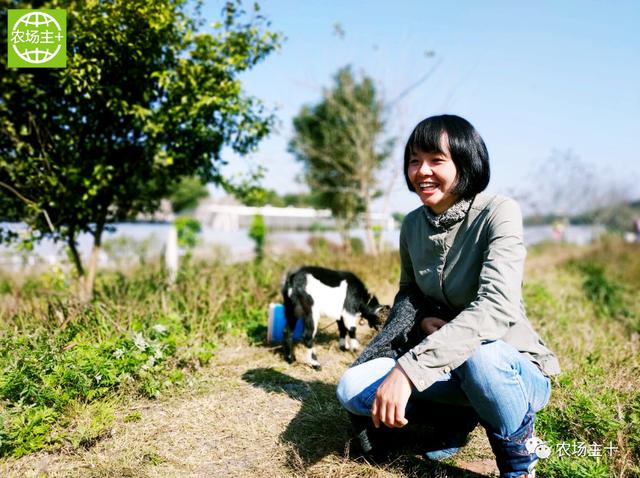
column 466, row 147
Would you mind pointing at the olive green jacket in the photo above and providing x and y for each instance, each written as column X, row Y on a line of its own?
column 475, row 267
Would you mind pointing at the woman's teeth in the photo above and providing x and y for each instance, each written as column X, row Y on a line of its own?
column 427, row 185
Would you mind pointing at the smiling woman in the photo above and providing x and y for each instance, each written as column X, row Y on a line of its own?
column 445, row 159
column 457, row 349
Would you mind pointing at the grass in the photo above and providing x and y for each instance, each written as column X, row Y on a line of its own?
column 105, row 389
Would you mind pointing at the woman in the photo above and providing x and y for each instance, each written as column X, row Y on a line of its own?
column 457, row 348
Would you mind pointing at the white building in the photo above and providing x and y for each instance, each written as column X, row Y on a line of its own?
column 233, row 217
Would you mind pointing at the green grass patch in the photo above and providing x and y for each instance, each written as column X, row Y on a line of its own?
column 575, row 467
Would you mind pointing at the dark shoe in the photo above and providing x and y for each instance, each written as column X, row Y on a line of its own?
column 450, row 438
column 515, row 455
column 370, row 442
column 360, row 429
column 447, row 444
column 452, row 426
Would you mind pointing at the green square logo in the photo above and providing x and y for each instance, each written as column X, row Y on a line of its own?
column 37, row 39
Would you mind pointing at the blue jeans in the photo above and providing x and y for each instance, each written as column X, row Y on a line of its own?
column 499, row 382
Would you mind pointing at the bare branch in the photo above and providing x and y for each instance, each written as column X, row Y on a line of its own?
column 29, row 202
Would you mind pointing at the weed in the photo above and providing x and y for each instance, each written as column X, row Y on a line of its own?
column 357, row 245
column 572, row 467
column 26, row 429
column 132, row 417
column 541, row 303
column 606, row 294
column 633, row 425
column 84, row 424
column 584, row 417
column 153, row 458
column 5, row 286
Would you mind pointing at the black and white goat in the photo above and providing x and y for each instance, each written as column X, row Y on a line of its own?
column 311, row 292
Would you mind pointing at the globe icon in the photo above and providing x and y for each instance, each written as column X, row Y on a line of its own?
column 32, row 25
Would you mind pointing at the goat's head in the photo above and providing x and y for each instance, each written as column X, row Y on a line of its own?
column 374, row 313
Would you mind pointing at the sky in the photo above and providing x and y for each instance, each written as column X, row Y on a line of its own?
column 539, row 81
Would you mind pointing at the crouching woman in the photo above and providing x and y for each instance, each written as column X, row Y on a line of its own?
column 457, row 349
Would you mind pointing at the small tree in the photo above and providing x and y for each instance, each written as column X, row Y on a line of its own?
column 339, row 142
column 187, row 193
column 188, row 230
column 258, row 232
column 144, row 101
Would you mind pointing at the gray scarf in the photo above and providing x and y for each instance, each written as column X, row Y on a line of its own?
column 455, row 213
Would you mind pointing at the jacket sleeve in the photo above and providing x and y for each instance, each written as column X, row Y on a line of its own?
column 490, row 315
column 401, row 316
column 399, row 322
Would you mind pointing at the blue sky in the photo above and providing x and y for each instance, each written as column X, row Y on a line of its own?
column 533, row 78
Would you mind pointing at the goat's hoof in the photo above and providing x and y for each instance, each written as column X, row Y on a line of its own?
column 317, row 367
column 290, row 359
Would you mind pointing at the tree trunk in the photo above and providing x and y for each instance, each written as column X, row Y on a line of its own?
column 77, row 261
column 171, row 256
column 366, row 199
column 344, row 235
column 89, row 280
column 368, row 230
column 368, row 227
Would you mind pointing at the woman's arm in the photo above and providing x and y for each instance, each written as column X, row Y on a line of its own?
column 401, row 316
column 393, row 394
column 489, row 316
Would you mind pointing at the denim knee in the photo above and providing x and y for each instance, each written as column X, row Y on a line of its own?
column 352, row 396
column 489, row 360
column 345, row 390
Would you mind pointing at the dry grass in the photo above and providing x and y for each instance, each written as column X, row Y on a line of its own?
column 247, row 414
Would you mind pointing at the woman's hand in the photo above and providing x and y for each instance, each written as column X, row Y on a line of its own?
column 391, row 400
column 430, row 324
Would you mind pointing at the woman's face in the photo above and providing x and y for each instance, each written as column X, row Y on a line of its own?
column 433, row 176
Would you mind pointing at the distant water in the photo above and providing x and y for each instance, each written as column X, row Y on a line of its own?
column 128, row 238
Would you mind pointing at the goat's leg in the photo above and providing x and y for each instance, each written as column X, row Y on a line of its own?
column 342, row 330
column 310, row 328
column 289, row 354
column 355, row 345
column 350, row 325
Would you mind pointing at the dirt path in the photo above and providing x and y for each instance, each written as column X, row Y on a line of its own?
column 248, row 414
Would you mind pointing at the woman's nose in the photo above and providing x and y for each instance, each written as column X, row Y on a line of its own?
column 425, row 169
